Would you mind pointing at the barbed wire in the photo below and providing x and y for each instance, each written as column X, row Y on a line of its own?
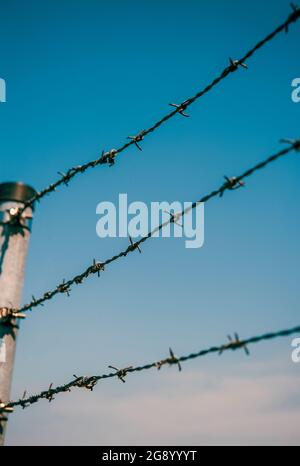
column 109, row 157
column 230, row 184
column 91, row 381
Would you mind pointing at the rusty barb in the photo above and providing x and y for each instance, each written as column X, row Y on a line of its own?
column 5, row 408
column 109, row 157
column 138, row 138
column 98, row 267
column 64, row 288
column 17, row 217
column 170, row 360
column 9, row 313
column 234, row 344
column 85, row 382
column 121, row 373
column 133, row 246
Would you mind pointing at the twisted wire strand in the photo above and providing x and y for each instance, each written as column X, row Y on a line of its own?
column 110, row 156
column 91, row 381
column 98, row 267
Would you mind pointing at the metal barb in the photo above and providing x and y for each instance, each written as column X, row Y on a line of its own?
column 182, row 107
column 65, row 178
column 64, row 288
column 234, row 343
column 17, row 217
column 5, row 408
column 50, row 393
column 8, row 314
column 293, row 142
column 175, row 217
column 121, row 373
column 293, row 17
column 134, row 246
column 98, row 267
column 35, row 302
column 234, row 64
column 109, row 157
column 138, row 138
column 232, row 184
column 23, row 402
column 85, row 382
column 171, row 360
column 78, row 280
column 174, row 360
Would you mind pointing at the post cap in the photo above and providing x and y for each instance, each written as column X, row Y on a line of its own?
column 18, row 192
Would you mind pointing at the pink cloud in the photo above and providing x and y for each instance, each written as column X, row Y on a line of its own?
column 190, row 409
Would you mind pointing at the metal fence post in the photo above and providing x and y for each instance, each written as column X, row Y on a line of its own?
column 14, row 239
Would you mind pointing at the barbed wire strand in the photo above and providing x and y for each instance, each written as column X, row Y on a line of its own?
column 64, row 287
column 91, row 381
column 110, row 156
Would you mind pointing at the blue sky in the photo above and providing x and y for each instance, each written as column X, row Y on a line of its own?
column 82, row 76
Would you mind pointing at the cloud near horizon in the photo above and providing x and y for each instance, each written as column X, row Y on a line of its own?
column 194, row 409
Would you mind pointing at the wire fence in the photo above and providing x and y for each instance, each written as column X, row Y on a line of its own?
column 109, row 157
column 91, row 381
column 17, row 216
column 64, row 287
